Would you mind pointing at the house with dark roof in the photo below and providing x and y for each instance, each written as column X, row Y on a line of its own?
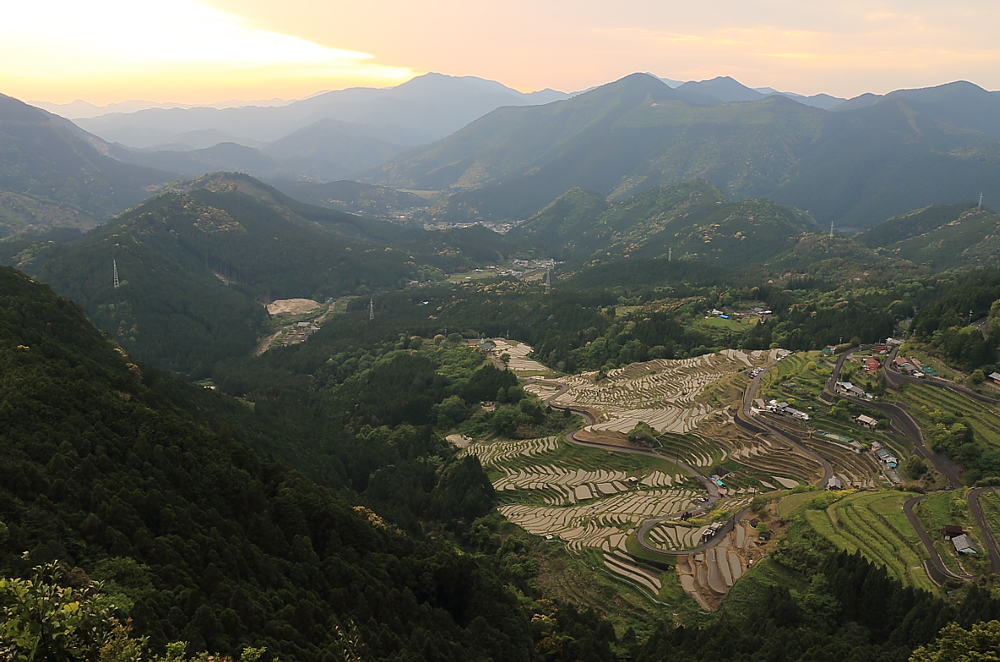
column 951, row 530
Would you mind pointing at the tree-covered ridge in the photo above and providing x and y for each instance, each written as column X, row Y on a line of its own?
column 48, row 163
column 941, row 236
column 210, row 542
column 855, row 167
column 692, row 220
column 195, row 261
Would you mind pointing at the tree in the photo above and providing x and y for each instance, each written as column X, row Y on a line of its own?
column 954, row 644
column 43, row 619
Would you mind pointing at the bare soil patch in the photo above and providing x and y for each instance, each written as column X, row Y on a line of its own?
column 292, row 307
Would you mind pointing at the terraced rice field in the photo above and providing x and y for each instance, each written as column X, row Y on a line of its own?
column 854, row 469
column 518, row 352
column 674, row 537
column 602, row 522
column 662, row 393
column 585, row 497
column 707, row 576
column 625, row 567
column 766, row 462
column 874, row 524
column 498, row 452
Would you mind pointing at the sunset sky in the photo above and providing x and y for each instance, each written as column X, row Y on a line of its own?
column 192, row 51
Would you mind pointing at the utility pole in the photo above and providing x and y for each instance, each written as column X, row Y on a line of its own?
column 371, row 309
column 670, row 254
column 980, row 199
column 548, row 280
column 831, row 229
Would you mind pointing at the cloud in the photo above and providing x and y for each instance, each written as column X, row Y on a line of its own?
column 67, row 40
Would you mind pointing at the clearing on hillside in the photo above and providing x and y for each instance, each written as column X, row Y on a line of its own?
column 292, row 307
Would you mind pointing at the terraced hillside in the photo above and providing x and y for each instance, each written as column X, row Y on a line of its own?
column 874, row 524
column 587, row 498
column 664, row 393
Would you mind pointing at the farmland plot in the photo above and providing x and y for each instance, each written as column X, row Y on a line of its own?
column 518, row 352
column 603, row 522
column 585, row 497
column 664, row 393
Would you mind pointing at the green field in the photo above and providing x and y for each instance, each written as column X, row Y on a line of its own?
column 990, row 502
column 922, row 400
column 874, row 524
column 952, row 507
column 792, row 379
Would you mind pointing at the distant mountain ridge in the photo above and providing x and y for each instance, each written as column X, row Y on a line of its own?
column 854, row 167
column 423, row 109
column 51, row 176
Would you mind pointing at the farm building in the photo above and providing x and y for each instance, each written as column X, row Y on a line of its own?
column 782, row 408
column 951, row 530
column 963, row 544
column 995, row 376
column 710, row 531
column 866, row 421
column 871, row 364
column 886, row 458
column 847, row 388
column 834, row 484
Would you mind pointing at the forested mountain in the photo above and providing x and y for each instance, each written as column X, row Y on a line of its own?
column 693, row 220
column 855, row 167
column 941, row 236
column 134, row 477
column 350, row 196
column 50, row 177
column 195, row 261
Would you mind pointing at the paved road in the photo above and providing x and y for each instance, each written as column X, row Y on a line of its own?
column 757, row 425
column 928, row 543
column 896, row 379
column 988, row 534
column 901, row 421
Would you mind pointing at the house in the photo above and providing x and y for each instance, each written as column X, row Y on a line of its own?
column 847, row 388
column 866, row 421
column 782, row 408
column 951, row 530
column 963, row 544
column 902, row 364
column 886, row 458
column 871, row 364
column 893, row 341
column 995, row 376
column 834, row 484
column 710, row 531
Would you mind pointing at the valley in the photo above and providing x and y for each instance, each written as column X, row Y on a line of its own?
column 448, row 371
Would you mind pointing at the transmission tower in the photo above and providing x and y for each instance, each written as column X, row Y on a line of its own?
column 670, row 254
column 548, row 280
column 980, row 199
column 371, row 309
column 831, row 229
column 114, row 262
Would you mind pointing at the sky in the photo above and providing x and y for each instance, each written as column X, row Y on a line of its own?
column 204, row 51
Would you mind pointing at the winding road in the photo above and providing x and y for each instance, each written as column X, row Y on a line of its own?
column 908, row 427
